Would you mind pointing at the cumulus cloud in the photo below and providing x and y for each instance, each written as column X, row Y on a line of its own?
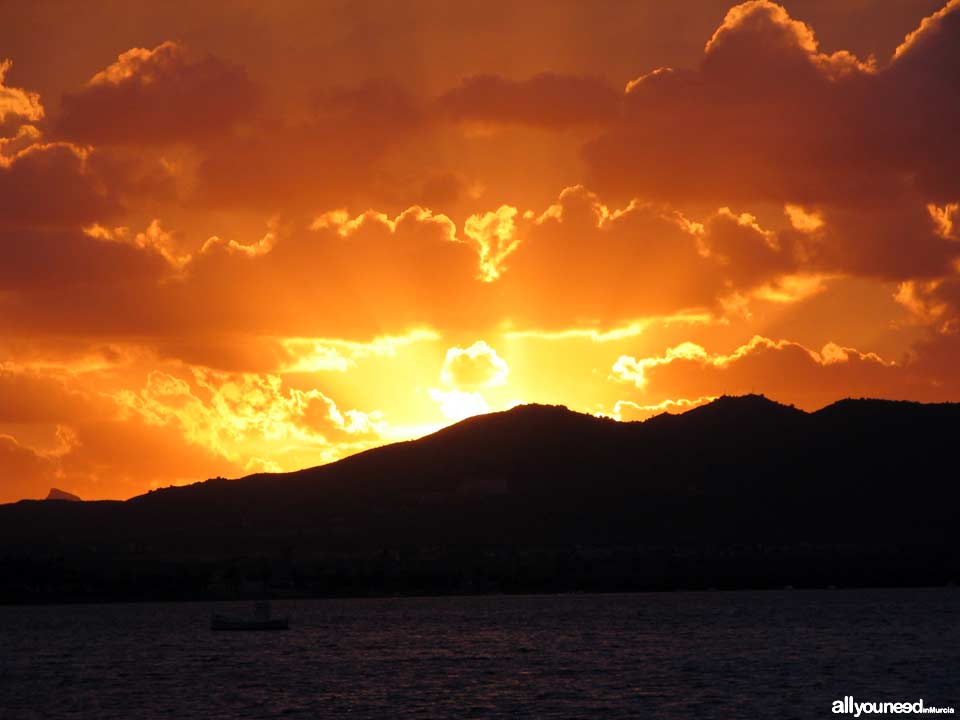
column 760, row 30
column 746, row 252
column 782, row 369
column 630, row 369
column 763, row 101
column 473, row 367
column 158, row 95
column 55, row 183
column 767, row 117
column 576, row 265
column 465, row 375
column 579, row 263
column 350, row 277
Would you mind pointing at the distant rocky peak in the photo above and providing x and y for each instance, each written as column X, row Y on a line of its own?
column 57, row 494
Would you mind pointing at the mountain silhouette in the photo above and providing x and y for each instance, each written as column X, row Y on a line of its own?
column 742, row 492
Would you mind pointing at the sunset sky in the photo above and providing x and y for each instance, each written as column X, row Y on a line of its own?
column 247, row 236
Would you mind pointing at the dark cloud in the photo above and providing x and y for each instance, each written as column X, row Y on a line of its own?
column 768, row 118
column 158, row 96
column 65, row 282
column 333, row 151
column 747, row 254
column 52, row 184
column 545, row 100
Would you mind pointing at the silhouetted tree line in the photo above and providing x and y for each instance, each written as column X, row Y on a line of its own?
column 84, row 577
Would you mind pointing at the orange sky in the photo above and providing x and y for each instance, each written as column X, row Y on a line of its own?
column 248, row 236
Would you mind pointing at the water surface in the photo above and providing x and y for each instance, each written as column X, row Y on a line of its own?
column 721, row 655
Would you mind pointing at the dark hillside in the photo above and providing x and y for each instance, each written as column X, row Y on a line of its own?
column 741, row 492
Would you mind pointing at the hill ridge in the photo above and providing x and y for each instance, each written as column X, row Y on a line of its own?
column 743, row 492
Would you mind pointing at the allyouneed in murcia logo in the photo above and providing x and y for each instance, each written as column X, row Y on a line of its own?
column 848, row 706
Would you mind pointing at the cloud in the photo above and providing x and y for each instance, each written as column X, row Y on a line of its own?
column 474, row 367
column 576, row 265
column 782, row 369
column 63, row 282
column 629, row 411
column 934, row 302
column 806, row 221
column 119, row 457
column 207, row 269
column 464, row 376
column 245, row 417
column 51, row 184
column 260, row 247
column 769, row 118
column 17, row 103
column 581, row 264
column 26, row 472
column 333, row 150
column 443, row 189
column 350, row 278
column 157, row 96
column 334, row 354
column 547, row 100
column 615, row 334
column 494, row 234
column 31, row 395
column 747, row 253
column 153, row 239
column 113, row 421
column 458, row 405
column 759, row 31
column 26, row 136
column 629, row 369
column 60, row 426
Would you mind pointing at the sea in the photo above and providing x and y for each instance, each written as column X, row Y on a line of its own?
column 723, row 655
